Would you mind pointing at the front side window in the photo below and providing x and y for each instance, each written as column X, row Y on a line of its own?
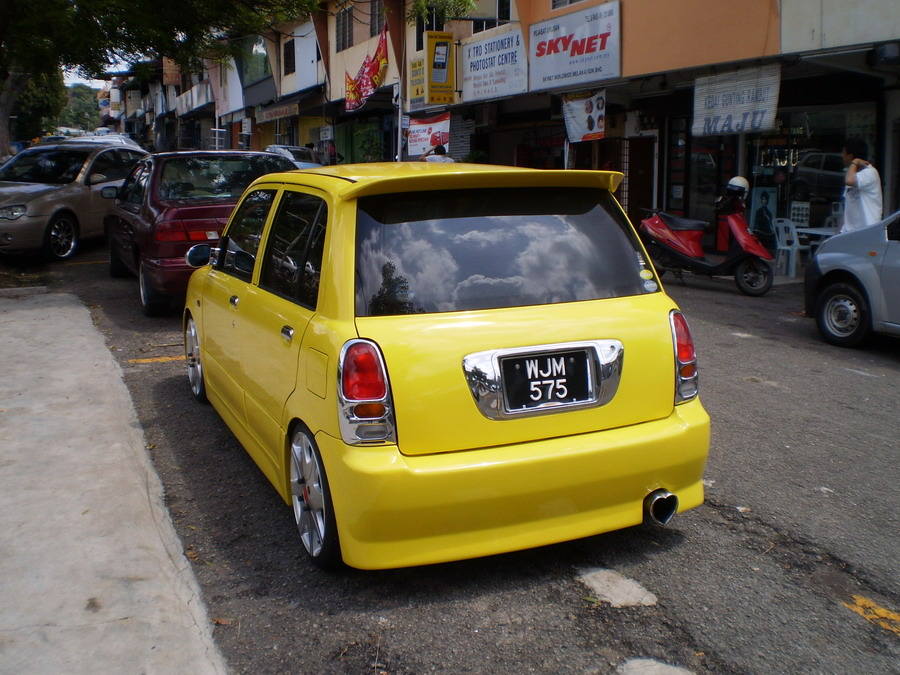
column 293, row 257
column 462, row 250
column 241, row 240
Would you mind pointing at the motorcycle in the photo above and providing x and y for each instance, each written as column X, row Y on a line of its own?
column 674, row 244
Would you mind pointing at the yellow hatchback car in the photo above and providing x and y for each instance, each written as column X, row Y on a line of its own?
column 434, row 362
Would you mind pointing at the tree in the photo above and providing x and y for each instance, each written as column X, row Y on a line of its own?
column 82, row 111
column 38, row 105
column 91, row 35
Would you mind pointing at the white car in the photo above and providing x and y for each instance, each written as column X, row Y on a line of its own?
column 853, row 284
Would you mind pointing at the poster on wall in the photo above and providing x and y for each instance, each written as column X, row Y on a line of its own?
column 585, row 116
column 734, row 103
column 494, row 67
column 762, row 212
column 577, row 48
column 417, row 84
column 427, row 132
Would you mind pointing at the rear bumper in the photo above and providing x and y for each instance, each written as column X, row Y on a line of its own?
column 397, row 511
column 168, row 276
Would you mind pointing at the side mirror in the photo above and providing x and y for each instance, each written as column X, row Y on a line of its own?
column 109, row 192
column 199, row 255
column 243, row 262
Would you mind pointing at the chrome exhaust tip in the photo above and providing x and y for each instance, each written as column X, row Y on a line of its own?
column 659, row 507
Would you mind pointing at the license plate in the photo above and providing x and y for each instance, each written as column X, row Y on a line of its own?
column 546, row 380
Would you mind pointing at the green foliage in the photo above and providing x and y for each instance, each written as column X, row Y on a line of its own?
column 82, row 111
column 37, row 106
column 444, row 10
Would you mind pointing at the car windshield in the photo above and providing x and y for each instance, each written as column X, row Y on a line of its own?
column 226, row 176
column 460, row 250
column 44, row 165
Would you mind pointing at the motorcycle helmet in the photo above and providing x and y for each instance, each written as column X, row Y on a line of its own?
column 738, row 185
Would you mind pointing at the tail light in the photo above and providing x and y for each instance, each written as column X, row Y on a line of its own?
column 169, row 231
column 364, row 396
column 686, row 376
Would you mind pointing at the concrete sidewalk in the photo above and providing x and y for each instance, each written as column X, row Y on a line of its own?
column 93, row 578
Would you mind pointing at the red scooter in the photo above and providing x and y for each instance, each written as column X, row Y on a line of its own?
column 674, row 244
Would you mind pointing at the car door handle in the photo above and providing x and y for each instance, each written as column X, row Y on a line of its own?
column 233, row 300
column 287, row 333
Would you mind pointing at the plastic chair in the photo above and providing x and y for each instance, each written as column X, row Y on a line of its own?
column 789, row 247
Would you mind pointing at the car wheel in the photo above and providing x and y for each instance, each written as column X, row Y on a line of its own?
column 116, row 267
column 193, row 359
column 842, row 315
column 311, row 499
column 753, row 277
column 153, row 303
column 61, row 238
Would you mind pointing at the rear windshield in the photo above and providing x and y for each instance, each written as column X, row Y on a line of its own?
column 459, row 250
column 225, row 176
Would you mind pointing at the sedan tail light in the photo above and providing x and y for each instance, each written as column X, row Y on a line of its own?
column 686, row 376
column 364, row 396
column 169, row 231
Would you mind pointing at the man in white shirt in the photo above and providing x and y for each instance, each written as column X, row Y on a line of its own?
column 862, row 194
column 440, row 155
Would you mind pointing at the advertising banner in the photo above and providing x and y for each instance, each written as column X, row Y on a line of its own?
column 585, row 116
column 495, row 67
column 426, row 132
column 577, row 48
column 440, row 67
column 370, row 76
column 739, row 102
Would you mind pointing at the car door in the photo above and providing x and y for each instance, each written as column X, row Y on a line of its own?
column 109, row 167
column 280, row 308
column 225, row 299
column 890, row 274
column 122, row 221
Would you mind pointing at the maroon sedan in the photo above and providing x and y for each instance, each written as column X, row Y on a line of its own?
column 169, row 202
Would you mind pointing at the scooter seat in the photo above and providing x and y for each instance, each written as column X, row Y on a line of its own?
column 683, row 224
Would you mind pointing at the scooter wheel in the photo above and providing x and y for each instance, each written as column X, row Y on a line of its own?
column 753, row 276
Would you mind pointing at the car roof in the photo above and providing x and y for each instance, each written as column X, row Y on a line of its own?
column 215, row 153
column 349, row 181
column 90, row 146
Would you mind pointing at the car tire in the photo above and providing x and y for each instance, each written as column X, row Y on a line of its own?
column 117, row 269
column 842, row 315
column 311, row 500
column 194, row 361
column 61, row 237
column 153, row 303
column 753, row 276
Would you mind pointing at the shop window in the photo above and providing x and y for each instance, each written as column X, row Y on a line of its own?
column 343, row 27
column 376, row 17
column 289, row 57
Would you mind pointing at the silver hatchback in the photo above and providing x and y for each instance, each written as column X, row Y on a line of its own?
column 50, row 194
column 853, row 284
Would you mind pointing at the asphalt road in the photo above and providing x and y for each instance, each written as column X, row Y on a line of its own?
column 791, row 565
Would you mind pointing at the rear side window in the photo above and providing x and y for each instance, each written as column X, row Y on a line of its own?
column 460, row 250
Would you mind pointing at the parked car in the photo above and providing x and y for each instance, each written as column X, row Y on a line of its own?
column 852, row 284
column 819, row 176
column 433, row 362
column 303, row 158
column 108, row 139
column 169, row 202
column 50, row 195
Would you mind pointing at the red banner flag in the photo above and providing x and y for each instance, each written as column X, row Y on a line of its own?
column 352, row 99
column 370, row 76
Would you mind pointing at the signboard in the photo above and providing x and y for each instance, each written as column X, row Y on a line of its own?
column 276, row 113
column 578, row 48
column 585, row 116
column 426, row 132
column 440, row 67
column 494, row 67
column 417, row 84
column 739, row 102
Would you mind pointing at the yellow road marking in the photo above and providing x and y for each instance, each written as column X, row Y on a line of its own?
column 871, row 612
column 157, row 359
